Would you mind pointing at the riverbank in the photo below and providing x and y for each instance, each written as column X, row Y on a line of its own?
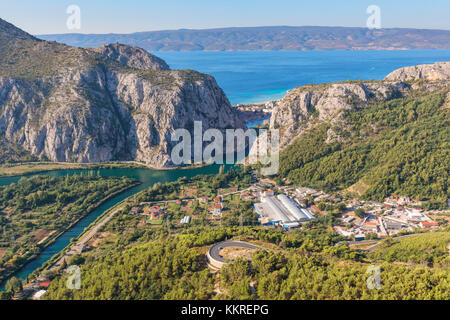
column 28, row 168
column 53, row 237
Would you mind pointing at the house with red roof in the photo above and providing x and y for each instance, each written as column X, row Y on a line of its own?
column 45, row 284
column 428, row 224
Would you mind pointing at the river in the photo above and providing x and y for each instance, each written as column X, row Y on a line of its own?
column 147, row 177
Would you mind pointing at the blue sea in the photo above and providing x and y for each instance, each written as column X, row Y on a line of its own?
column 258, row 76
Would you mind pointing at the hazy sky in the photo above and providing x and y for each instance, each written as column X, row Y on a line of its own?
column 117, row 16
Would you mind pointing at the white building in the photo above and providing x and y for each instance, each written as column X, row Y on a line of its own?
column 283, row 211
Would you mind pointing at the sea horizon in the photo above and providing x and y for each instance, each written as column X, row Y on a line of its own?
column 259, row 76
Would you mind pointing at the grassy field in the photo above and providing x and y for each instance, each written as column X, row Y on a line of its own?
column 19, row 169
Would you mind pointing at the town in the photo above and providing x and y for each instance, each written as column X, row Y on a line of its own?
column 291, row 207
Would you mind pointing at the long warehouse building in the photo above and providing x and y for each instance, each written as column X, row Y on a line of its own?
column 283, row 211
column 299, row 213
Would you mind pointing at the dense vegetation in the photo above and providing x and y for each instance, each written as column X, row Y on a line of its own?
column 428, row 249
column 397, row 147
column 300, row 265
column 137, row 262
column 11, row 153
column 35, row 210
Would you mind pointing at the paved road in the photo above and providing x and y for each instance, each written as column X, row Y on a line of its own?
column 375, row 242
column 214, row 251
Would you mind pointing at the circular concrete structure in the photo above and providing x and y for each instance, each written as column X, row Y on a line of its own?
column 214, row 257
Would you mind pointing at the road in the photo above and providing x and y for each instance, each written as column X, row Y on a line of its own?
column 214, row 251
column 375, row 242
column 78, row 247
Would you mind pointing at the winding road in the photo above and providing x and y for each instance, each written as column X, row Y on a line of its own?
column 214, row 251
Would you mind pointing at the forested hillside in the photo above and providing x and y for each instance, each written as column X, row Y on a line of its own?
column 401, row 146
column 300, row 265
column 34, row 211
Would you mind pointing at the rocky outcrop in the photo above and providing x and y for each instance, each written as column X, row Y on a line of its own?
column 111, row 103
column 306, row 106
column 437, row 71
column 303, row 107
column 132, row 57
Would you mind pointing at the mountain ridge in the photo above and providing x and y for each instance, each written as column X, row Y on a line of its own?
column 117, row 102
column 268, row 38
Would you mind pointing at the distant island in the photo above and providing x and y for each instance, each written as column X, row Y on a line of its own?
column 268, row 38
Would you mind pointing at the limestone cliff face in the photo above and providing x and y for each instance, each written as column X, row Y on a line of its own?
column 133, row 57
column 92, row 105
column 437, row 71
column 307, row 106
column 303, row 107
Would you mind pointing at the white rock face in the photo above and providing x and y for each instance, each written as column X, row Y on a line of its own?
column 102, row 115
column 437, row 71
column 93, row 105
column 297, row 110
column 133, row 57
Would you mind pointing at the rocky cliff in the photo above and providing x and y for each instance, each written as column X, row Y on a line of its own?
column 304, row 107
column 132, row 57
column 437, row 71
column 90, row 105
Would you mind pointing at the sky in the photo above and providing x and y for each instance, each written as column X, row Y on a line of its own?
column 118, row 16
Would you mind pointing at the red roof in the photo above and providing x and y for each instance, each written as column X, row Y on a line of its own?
column 45, row 284
column 373, row 224
column 432, row 223
column 218, row 206
column 316, row 208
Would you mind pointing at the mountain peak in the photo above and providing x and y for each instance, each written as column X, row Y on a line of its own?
column 10, row 32
column 133, row 57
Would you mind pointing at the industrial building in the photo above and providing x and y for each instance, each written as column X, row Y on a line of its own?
column 283, row 211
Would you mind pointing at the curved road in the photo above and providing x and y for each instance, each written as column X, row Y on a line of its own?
column 214, row 251
column 375, row 242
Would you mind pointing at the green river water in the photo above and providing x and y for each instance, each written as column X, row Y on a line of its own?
column 147, row 177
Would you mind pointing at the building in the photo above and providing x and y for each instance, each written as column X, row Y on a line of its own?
column 371, row 226
column 247, row 196
column 38, row 295
column 268, row 193
column 316, row 208
column 281, row 211
column 156, row 215
column 300, row 214
column 45, row 284
column 414, row 214
column 428, row 224
column 217, row 209
column 204, row 199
